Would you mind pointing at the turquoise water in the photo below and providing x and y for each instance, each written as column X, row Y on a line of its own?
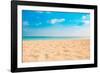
column 49, row 38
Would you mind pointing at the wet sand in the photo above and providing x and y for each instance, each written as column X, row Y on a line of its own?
column 55, row 50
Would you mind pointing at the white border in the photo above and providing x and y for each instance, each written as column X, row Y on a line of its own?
column 53, row 63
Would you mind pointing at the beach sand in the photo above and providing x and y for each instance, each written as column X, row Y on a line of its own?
column 55, row 50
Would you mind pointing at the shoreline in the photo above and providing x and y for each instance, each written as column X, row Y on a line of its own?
column 83, row 38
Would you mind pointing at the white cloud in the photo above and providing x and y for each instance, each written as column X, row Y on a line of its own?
column 85, row 20
column 25, row 23
column 55, row 20
column 84, row 17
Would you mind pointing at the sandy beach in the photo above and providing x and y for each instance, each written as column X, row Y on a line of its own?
column 54, row 50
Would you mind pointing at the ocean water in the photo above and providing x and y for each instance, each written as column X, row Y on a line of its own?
column 50, row 38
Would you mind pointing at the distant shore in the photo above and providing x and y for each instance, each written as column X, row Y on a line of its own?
column 56, row 50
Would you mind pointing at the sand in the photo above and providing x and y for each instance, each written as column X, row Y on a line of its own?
column 55, row 50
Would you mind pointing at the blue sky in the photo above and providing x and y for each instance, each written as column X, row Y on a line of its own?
column 47, row 23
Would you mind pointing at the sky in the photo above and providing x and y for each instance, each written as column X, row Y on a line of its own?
column 50, row 23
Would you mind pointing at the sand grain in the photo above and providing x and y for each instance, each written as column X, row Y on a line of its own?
column 52, row 50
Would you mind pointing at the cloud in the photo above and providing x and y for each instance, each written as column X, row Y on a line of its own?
column 84, row 17
column 38, row 24
column 25, row 23
column 85, row 20
column 55, row 20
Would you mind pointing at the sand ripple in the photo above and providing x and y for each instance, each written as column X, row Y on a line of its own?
column 52, row 50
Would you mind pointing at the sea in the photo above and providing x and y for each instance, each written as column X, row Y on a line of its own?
column 51, row 38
